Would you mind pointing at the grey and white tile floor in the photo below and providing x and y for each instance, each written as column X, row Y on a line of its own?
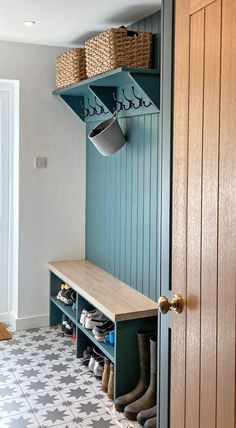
column 42, row 384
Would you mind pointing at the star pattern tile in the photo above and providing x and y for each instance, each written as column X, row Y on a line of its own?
column 42, row 384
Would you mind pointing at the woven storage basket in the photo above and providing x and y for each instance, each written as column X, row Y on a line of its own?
column 70, row 67
column 118, row 47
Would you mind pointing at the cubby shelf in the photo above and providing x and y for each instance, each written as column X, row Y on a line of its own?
column 103, row 87
column 67, row 310
column 108, row 350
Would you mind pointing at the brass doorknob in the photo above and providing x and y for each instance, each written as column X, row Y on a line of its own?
column 176, row 304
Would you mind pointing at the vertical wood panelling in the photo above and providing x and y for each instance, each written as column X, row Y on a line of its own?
column 179, row 204
column 210, row 215
column 227, row 223
column 122, row 212
column 208, row 142
column 194, row 218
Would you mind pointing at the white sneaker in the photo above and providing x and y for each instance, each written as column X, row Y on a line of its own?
column 83, row 315
column 94, row 320
column 91, row 364
column 98, row 369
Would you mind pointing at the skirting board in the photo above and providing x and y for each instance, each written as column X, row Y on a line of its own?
column 26, row 322
column 4, row 317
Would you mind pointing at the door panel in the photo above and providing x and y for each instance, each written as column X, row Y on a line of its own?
column 227, row 223
column 209, row 286
column 194, row 217
column 204, row 220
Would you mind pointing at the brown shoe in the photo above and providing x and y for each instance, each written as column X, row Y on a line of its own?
column 110, row 387
column 106, row 375
column 144, row 415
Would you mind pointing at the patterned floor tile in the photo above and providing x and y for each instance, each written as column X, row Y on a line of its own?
column 24, row 420
column 4, row 365
column 29, row 373
column 59, row 367
column 14, row 407
column 37, row 385
column 11, row 390
column 77, row 393
column 55, row 415
column 12, row 344
column 100, row 421
column 68, row 379
column 23, row 362
column 45, row 400
column 20, row 351
column 88, row 408
column 68, row 425
column 7, row 377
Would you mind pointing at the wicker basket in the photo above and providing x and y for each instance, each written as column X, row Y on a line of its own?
column 70, row 67
column 118, row 47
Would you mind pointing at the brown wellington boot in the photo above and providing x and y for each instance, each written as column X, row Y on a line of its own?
column 105, row 375
column 148, row 400
column 143, row 338
column 144, row 415
column 151, row 423
column 110, row 387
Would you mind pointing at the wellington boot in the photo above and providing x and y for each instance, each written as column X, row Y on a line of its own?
column 144, row 415
column 143, row 338
column 105, row 375
column 151, row 423
column 110, row 386
column 148, row 399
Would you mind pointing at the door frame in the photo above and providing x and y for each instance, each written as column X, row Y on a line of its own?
column 12, row 88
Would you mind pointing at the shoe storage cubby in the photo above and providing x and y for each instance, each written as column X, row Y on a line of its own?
column 129, row 310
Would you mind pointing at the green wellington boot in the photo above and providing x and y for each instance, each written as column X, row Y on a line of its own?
column 144, row 415
column 148, row 399
column 151, row 423
column 143, row 338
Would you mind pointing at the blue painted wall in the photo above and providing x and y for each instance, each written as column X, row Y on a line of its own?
column 123, row 200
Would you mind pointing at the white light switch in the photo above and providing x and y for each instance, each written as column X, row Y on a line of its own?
column 40, row 162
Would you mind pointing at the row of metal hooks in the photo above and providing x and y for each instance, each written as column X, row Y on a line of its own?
column 127, row 104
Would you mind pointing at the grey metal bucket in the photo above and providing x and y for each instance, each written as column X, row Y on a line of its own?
column 107, row 137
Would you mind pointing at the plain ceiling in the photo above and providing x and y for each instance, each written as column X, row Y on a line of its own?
column 68, row 23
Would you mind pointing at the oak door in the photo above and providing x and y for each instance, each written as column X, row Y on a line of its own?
column 204, row 215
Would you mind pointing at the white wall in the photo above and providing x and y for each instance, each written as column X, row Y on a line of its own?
column 52, row 200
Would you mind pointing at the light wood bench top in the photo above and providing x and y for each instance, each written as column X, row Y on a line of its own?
column 117, row 300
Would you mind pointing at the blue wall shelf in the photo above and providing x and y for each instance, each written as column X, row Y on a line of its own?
column 96, row 98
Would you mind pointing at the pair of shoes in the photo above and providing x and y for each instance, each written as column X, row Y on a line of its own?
column 96, row 364
column 90, row 319
column 67, row 326
column 100, row 331
column 143, row 396
column 108, row 378
column 67, row 295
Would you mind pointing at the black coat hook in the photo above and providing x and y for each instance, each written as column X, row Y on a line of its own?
column 91, row 107
column 98, row 105
column 121, row 105
column 140, row 100
column 147, row 105
column 85, row 110
column 129, row 101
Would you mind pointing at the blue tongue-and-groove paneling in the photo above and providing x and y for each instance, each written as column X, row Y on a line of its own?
column 123, row 200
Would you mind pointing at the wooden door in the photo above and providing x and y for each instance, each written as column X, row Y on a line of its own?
column 204, row 215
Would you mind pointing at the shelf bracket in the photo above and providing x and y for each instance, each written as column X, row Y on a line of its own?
column 150, row 85
column 75, row 103
column 105, row 95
